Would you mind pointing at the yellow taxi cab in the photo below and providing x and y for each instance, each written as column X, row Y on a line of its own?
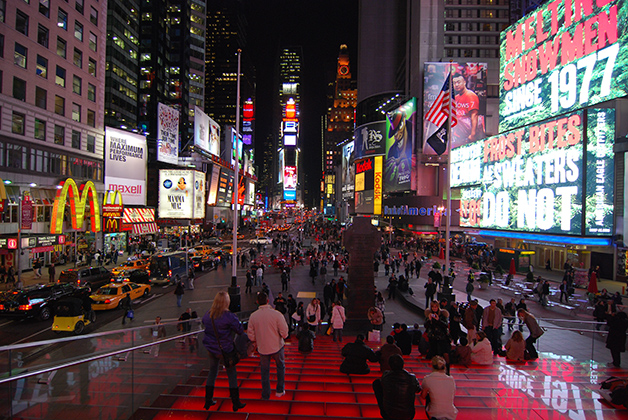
column 229, row 248
column 129, row 265
column 110, row 295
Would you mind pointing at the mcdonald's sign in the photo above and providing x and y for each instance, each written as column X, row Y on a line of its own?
column 111, row 224
column 3, row 196
column 78, row 201
column 112, row 204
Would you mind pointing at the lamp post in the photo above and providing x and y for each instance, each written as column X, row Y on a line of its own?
column 234, row 290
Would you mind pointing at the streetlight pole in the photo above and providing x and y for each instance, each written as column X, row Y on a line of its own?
column 234, row 290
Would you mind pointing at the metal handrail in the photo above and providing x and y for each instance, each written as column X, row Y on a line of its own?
column 92, row 358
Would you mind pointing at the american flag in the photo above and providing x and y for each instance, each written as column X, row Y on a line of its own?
column 439, row 111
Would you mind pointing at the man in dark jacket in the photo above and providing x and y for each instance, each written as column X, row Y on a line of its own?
column 356, row 355
column 403, row 339
column 396, row 390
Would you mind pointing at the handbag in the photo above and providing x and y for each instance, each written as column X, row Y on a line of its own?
column 130, row 314
column 311, row 318
column 330, row 330
column 231, row 358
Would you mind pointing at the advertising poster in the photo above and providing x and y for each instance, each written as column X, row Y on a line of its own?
column 167, row 134
column 225, row 187
column 212, row 194
column 469, row 106
column 290, row 183
column 400, row 159
column 125, row 165
column 369, row 139
column 530, row 179
column 181, row 194
column 348, row 170
column 599, row 207
column 563, row 57
column 204, row 138
column 214, row 138
column 365, row 185
column 250, row 192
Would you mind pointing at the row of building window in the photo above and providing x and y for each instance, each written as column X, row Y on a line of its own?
column 32, row 159
column 18, row 126
column 470, row 52
column 475, row 13
column 467, row 40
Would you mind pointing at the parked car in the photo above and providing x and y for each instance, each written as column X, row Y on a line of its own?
column 139, row 275
column 130, row 265
column 110, row 295
column 34, row 301
column 168, row 268
column 92, row 277
column 261, row 240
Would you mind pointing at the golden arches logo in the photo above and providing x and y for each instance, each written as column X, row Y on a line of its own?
column 111, row 225
column 3, row 190
column 112, row 197
column 78, row 201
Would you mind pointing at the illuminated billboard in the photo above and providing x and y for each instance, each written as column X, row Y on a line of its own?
column 212, row 188
column 206, row 132
column 181, row 194
column 125, row 165
column 533, row 179
column 225, row 187
column 369, row 139
column 167, row 134
column 469, row 106
column 562, row 57
column 348, row 170
column 289, row 139
column 400, row 131
column 289, row 177
column 365, row 185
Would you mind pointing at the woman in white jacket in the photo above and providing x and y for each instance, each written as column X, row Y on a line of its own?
column 338, row 320
column 313, row 314
column 481, row 351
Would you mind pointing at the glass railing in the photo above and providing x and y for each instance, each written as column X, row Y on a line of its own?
column 106, row 375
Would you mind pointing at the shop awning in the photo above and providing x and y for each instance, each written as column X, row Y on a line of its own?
column 144, row 228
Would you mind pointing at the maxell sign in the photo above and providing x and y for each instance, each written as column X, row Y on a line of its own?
column 125, row 165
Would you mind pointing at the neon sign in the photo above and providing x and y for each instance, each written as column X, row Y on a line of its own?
column 78, row 201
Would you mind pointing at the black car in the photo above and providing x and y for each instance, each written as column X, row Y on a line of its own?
column 202, row 262
column 34, row 301
column 138, row 275
column 92, row 277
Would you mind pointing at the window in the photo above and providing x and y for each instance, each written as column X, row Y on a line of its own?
column 41, row 97
column 91, row 143
column 59, row 135
column 80, row 6
column 76, row 112
column 91, row 118
column 77, row 85
column 21, row 22
column 18, row 123
column 93, row 41
column 40, row 129
column 60, row 76
column 78, row 58
column 76, row 139
column 19, row 89
column 1, row 45
column 59, row 105
column 44, row 7
column 91, row 67
column 20, row 55
column 78, row 31
column 42, row 67
column 42, row 35
column 93, row 16
column 62, row 20
column 61, row 47
column 91, row 92
column 3, row 10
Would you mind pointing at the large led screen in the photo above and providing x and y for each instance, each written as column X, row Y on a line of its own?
column 469, row 105
column 530, row 179
column 562, row 57
column 348, row 170
column 599, row 207
column 290, row 178
column 400, row 159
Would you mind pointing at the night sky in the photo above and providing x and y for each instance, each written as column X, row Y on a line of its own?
column 320, row 27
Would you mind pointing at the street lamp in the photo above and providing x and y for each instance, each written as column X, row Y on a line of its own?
column 234, row 290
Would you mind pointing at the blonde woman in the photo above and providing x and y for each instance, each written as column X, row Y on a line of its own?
column 221, row 325
column 516, row 346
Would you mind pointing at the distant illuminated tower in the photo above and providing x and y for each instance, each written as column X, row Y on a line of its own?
column 340, row 124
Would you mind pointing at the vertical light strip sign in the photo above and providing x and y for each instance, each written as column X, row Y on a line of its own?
column 377, row 185
column 599, row 206
column 167, row 134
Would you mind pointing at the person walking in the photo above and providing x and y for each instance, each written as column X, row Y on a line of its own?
column 313, row 314
column 268, row 329
column 51, row 272
column 535, row 332
column 178, row 292
column 125, row 304
column 191, row 278
column 37, row 267
column 158, row 331
column 430, row 291
column 249, row 282
column 338, row 320
column 221, row 325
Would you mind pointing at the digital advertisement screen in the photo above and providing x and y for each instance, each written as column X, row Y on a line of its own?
column 562, row 57
column 181, row 194
column 365, row 185
column 400, row 160
column 290, row 178
column 369, row 139
column 289, row 139
column 348, row 170
column 469, row 106
column 289, row 194
column 225, row 187
column 290, row 126
column 212, row 195
column 530, row 179
column 599, row 207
